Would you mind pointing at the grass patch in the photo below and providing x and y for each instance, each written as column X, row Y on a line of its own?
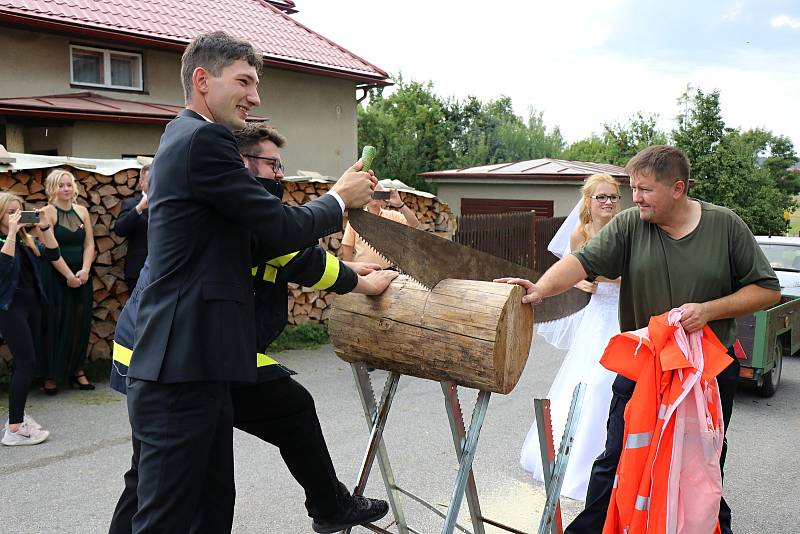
column 304, row 336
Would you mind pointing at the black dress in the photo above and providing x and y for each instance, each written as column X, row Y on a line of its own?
column 67, row 318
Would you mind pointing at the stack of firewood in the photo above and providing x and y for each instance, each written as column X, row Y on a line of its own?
column 103, row 196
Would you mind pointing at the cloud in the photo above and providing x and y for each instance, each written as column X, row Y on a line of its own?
column 733, row 13
column 581, row 62
column 782, row 21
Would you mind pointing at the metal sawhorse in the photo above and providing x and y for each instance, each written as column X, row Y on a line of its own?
column 466, row 443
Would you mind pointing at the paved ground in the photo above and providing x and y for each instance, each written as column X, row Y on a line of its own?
column 70, row 484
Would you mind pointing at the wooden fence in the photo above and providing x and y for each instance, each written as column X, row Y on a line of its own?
column 519, row 237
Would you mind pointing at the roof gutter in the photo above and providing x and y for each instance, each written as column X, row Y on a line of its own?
column 473, row 177
column 178, row 46
column 83, row 116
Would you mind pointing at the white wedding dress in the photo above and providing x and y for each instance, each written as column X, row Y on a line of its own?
column 588, row 331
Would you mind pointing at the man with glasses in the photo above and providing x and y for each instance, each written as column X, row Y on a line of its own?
column 671, row 251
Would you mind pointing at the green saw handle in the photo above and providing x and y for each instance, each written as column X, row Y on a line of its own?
column 367, row 155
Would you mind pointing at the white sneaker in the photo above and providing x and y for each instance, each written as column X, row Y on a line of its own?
column 25, row 435
column 31, row 422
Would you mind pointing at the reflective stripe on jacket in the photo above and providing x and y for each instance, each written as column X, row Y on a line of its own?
column 311, row 267
column 668, row 477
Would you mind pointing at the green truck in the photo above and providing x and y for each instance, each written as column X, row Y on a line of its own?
column 768, row 336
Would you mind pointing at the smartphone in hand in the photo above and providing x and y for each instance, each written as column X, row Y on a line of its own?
column 380, row 195
column 29, row 217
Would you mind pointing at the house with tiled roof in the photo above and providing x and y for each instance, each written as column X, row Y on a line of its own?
column 100, row 79
column 548, row 186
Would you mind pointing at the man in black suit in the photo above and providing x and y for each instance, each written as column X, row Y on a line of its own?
column 132, row 224
column 195, row 331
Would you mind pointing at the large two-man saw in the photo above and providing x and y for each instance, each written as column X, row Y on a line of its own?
column 430, row 259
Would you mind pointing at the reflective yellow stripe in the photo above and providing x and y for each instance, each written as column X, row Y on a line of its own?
column 254, row 271
column 271, row 268
column 270, row 273
column 331, row 272
column 122, row 354
column 281, row 261
column 262, row 360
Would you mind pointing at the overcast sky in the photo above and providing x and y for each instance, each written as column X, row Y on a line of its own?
column 585, row 62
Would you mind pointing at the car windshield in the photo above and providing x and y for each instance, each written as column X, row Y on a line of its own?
column 784, row 257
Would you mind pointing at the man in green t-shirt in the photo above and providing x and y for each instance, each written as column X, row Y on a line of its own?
column 671, row 251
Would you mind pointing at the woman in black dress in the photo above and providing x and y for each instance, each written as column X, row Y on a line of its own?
column 68, row 316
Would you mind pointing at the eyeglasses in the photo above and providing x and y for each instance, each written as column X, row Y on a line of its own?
column 277, row 164
column 602, row 199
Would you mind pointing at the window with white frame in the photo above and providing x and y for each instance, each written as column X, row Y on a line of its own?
column 97, row 67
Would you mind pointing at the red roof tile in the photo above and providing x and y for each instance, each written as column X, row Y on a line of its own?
column 90, row 106
column 282, row 39
column 544, row 168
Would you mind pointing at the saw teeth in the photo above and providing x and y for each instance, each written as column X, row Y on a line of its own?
column 378, row 252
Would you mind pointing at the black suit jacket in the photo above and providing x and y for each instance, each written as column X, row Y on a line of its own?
column 133, row 226
column 196, row 320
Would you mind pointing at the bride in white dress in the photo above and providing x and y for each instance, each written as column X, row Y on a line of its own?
column 585, row 334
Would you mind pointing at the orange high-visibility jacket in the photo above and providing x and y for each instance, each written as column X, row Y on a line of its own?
column 668, row 478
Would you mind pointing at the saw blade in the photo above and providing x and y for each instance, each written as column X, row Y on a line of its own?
column 430, row 259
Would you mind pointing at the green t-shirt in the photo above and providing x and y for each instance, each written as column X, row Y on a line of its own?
column 659, row 273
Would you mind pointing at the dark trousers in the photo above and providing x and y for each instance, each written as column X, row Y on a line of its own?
column 21, row 325
column 185, row 465
column 280, row 412
column 598, row 494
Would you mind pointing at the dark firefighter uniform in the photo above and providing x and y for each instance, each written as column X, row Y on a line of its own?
column 276, row 409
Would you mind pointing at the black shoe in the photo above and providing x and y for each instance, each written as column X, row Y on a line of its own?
column 356, row 511
column 50, row 391
column 75, row 379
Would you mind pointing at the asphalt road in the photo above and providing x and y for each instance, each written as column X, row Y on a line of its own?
column 70, row 484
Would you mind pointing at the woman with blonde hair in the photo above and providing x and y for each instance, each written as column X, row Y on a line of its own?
column 585, row 335
column 68, row 317
column 21, row 300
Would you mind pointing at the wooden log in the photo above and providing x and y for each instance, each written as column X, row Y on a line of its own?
column 476, row 334
column 101, row 350
column 107, row 190
column 20, row 189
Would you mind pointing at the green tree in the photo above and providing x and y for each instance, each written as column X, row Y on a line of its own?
column 410, row 130
column 416, row 131
column 619, row 142
column 782, row 157
column 486, row 133
column 725, row 164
